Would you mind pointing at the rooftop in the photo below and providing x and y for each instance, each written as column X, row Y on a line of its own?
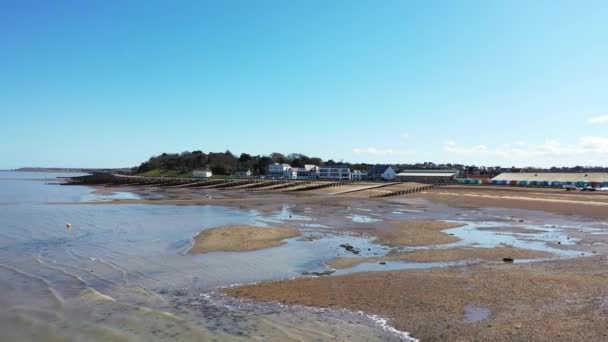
column 427, row 174
column 554, row 176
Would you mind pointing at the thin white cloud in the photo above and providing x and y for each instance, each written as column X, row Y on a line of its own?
column 380, row 152
column 599, row 119
column 590, row 146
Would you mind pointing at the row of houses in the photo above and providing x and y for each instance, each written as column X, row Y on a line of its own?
column 286, row 171
column 377, row 172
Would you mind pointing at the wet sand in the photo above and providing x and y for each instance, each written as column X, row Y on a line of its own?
column 561, row 300
column 589, row 204
column 440, row 255
column 413, row 233
column 549, row 301
column 240, row 238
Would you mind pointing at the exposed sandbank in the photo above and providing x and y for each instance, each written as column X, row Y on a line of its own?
column 549, row 200
column 413, row 233
column 437, row 255
column 549, row 301
column 240, row 238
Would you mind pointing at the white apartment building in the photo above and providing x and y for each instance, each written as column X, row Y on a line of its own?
column 334, row 172
column 306, row 172
column 278, row 170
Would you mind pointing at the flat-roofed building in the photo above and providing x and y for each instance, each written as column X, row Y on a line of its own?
column 580, row 179
column 428, row 176
column 309, row 171
column 278, row 170
column 334, row 172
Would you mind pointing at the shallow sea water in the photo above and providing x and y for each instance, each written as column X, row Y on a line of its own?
column 121, row 272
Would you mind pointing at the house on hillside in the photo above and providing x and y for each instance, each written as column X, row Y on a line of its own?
column 382, row 172
column 202, row 173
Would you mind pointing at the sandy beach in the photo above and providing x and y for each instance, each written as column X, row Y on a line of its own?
column 414, row 233
column 240, row 238
column 442, row 255
column 551, row 200
column 551, row 301
column 556, row 297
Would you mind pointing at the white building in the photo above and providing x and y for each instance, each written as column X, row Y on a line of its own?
column 334, row 172
column 427, row 176
column 385, row 172
column 307, row 172
column 243, row 173
column 358, row 175
column 278, row 170
column 202, row 173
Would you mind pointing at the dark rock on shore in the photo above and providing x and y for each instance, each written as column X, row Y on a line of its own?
column 350, row 248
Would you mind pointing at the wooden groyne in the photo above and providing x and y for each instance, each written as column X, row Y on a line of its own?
column 249, row 184
column 321, row 186
column 280, row 184
column 409, row 191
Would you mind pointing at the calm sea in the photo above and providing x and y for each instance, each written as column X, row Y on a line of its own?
column 120, row 272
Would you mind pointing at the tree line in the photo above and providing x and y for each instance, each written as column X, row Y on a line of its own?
column 226, row 163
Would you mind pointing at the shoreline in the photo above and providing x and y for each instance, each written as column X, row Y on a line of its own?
column 445, row 255
column 418, row 300
column 433, row 303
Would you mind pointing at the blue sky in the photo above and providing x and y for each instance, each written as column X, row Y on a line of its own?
column 110, row 83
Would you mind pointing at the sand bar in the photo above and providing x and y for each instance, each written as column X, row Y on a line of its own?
column 438, row 255
column 413, row 233
column 240, row 238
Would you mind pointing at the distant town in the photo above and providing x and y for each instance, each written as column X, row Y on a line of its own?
column 296, row 166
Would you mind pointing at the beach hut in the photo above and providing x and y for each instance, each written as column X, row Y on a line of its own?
column 581, row 184
column 557, row 183
column 595, row 184
column 513, row 182
column 543, row 183
column 523, row 183
column 533, row 183
column 605, row 184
